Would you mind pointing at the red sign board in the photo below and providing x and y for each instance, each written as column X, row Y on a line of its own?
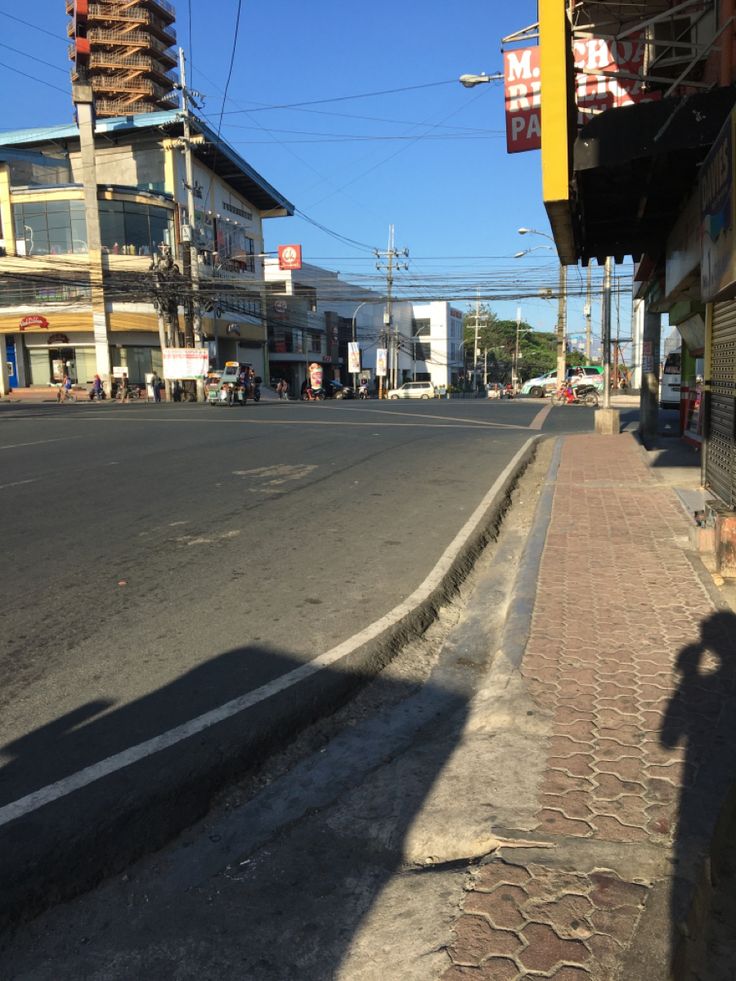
column 600, row 84
column 522, row 85
column 28, row 323
column 290, row 257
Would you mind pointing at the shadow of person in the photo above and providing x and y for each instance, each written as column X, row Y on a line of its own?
column 282, row 862
column 700, row 720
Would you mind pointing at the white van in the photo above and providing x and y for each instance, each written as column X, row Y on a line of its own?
column 669, row 387
column 412, row 390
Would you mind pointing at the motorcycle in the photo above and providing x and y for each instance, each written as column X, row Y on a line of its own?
column 363, row 392
column 577, row 395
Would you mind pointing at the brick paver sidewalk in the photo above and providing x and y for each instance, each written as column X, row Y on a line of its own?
column 631, row 663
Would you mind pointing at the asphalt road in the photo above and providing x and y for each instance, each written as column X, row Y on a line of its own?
column 160, row 560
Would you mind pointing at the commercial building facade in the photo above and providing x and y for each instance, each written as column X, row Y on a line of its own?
column 56, row 315
column 313, row 315
column 654, row 181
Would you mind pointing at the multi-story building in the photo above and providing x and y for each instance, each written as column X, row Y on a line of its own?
column 53, row 316
column 313, row 315
column 127, row 49
column 436, row 344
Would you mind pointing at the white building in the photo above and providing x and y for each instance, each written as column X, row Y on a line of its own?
column 312, row 314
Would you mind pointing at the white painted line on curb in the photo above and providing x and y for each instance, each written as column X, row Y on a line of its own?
column 88, row 775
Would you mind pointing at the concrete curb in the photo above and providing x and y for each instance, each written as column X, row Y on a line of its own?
column 63, row 839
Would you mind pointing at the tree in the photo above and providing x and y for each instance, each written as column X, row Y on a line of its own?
column 497, row 338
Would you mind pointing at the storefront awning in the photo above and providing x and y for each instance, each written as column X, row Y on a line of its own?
column 633, row 168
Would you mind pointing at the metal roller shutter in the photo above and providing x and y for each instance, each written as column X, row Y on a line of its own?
column 720, row 467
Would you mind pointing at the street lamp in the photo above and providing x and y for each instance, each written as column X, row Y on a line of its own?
column 561, row 310
column 355, row 314
column 470, row 81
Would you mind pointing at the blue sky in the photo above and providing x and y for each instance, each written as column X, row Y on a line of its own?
column 452, row 192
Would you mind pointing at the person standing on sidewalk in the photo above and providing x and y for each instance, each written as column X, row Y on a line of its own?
column 156, row 386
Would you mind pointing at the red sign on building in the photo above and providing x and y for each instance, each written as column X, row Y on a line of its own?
column 522, row 86
column 290, row 257
column 35, row 320
column 602, row 68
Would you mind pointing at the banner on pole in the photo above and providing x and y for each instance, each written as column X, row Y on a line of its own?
column 185, row 363
column 353, row 357
column 381, row 359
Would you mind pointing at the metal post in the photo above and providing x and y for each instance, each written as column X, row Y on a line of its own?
column 588, row 313
column 649, row 392
column 562, row 327
column 606, row 332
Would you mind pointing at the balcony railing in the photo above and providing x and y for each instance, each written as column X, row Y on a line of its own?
column 130, row 15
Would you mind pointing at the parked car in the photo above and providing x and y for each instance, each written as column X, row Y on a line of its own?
column 412, row 390
column 540, row 386
column 547, row 384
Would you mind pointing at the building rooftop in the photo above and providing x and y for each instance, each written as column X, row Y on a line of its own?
column 214, row 153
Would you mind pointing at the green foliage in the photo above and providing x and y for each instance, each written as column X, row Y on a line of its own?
column 537, row 349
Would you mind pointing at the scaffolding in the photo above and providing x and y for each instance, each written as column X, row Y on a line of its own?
column 132, row 60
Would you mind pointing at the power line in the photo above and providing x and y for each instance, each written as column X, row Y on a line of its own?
column 35, row 27
column 232, row 62
column 342, row 98
column 33, row 78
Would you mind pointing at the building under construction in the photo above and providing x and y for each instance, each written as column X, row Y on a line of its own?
column 127, row 48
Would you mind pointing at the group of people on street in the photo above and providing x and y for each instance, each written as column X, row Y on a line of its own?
column 282, row 388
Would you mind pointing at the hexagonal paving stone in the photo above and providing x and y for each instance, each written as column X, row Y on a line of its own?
column 475, row 940
column 611, row 892
column 502, row 906
column 567, row 914
column 497, row 872
column 545, row 950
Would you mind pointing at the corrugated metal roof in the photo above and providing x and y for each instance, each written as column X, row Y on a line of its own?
column 216, row 153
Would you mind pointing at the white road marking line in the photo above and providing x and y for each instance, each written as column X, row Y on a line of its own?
column 538, row 420
column 38, row 442
column 90, row 774
column 17, row 483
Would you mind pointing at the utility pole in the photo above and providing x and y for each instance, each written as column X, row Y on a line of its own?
column 391, row 258
column 515, row 379
column 475, row 341
column 193, row 320
column 562, row 327
column 606, row 332
column 588, row 313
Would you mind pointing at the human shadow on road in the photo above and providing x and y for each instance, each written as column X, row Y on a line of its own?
column 700, row 717
column 297, row 875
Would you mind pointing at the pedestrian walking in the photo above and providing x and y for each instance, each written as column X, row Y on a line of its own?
column 123, row 388
column 65, row 389
column 156, row 386
column 97, row 390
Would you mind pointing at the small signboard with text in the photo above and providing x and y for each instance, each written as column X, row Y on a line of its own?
column 185, row 362
column 353, row 357
column 381, row 361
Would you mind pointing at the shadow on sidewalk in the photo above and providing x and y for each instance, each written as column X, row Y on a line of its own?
column 701, row 718
column 302, row 883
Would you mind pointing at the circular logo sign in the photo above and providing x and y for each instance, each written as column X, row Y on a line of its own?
column 280, row 307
